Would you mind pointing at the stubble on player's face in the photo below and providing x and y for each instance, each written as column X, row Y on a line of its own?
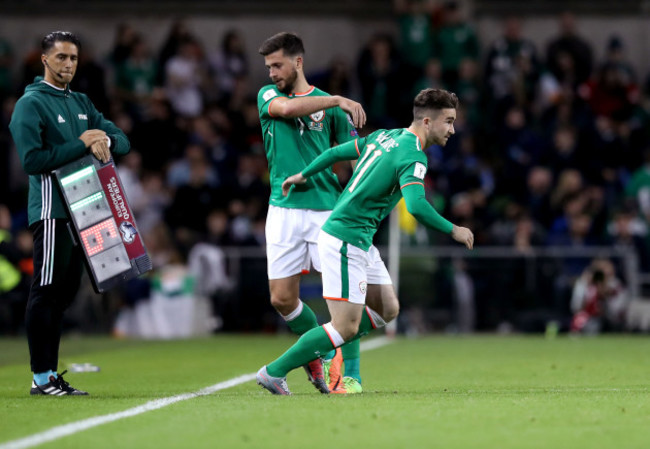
column 282, row 71
column 442, row 126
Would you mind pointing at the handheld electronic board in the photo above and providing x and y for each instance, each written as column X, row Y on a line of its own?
column 102, row 222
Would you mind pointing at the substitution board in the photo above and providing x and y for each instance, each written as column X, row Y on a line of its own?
column 102, row 222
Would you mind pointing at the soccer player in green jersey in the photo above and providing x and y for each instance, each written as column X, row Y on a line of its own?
column 391, row 165
column 299, row 122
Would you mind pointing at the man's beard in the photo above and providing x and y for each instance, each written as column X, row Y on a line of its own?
column 289, row 82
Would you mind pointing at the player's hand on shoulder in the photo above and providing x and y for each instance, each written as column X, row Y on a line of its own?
column 291, row 180
column 355, row 110
column 463, row 235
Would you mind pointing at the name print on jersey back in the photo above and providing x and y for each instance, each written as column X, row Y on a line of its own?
column 386, row 142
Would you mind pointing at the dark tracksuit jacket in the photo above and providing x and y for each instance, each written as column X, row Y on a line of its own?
column 46, row 125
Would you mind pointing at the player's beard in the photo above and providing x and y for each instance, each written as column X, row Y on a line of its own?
column 440, row 140
column 289, row 82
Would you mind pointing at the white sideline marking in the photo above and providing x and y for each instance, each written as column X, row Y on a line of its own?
column 74, row 427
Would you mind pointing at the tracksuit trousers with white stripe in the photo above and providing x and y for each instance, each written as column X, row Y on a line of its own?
column 58, row 265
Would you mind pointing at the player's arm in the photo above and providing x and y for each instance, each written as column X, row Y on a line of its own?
column 27, row 129
column 299, row 107
column 346, row 152
column 425, row 213
column 411, row 181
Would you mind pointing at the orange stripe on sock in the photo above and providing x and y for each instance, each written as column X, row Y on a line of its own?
column 336, row 299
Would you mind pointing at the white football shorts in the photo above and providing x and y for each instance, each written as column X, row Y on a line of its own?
column 292, row 239
column 347, row 269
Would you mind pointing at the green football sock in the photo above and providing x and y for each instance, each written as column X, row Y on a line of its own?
column 352, row 368
column 305, row 320
column 364, row 328
column 351, row 353
column 309, row 346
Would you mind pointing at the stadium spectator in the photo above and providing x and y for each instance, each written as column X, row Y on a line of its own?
column 228, row 64
column 91, row 79
column 125, row 37
column 415, row 33
column 511, row 70
column 431, row 77
column 569, row 57
column 638, row 186
column 335, row 79
column 160, row 138
column 468, row 89
column 31, row 66
column 598, row 300
column 179, row 33
column 16, row 270
column 135, row 78
column 611, row 93
column 626, row 229
column 184, row 78
column 380, row 76
column 454, row 42
column 8, row 178
column 521, row 148
column 537, row 195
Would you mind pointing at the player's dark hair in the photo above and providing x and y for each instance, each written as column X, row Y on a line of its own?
column 59, row 36
column 433, row 99
column 290, row 43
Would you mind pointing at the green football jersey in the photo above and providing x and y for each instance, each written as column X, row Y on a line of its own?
column 292, row 143
column 388, row 161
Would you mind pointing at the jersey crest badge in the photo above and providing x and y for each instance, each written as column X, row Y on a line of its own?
column 317, row 116
column 316, row 123
column 363, row 287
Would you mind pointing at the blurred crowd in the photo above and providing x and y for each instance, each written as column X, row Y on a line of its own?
column 552, row 146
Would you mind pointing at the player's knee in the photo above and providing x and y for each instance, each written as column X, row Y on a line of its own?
column 284, row 303
column 390, row 312
column 349, row 331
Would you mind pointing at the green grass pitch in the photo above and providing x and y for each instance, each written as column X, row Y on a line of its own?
column 430, row 392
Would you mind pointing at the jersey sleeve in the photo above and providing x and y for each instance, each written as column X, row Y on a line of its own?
column 119, row 142
column 346, row 152
column 413, row 171
column 411, row 180
column 265, row 97
column 37, row 156
column 344, row 130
